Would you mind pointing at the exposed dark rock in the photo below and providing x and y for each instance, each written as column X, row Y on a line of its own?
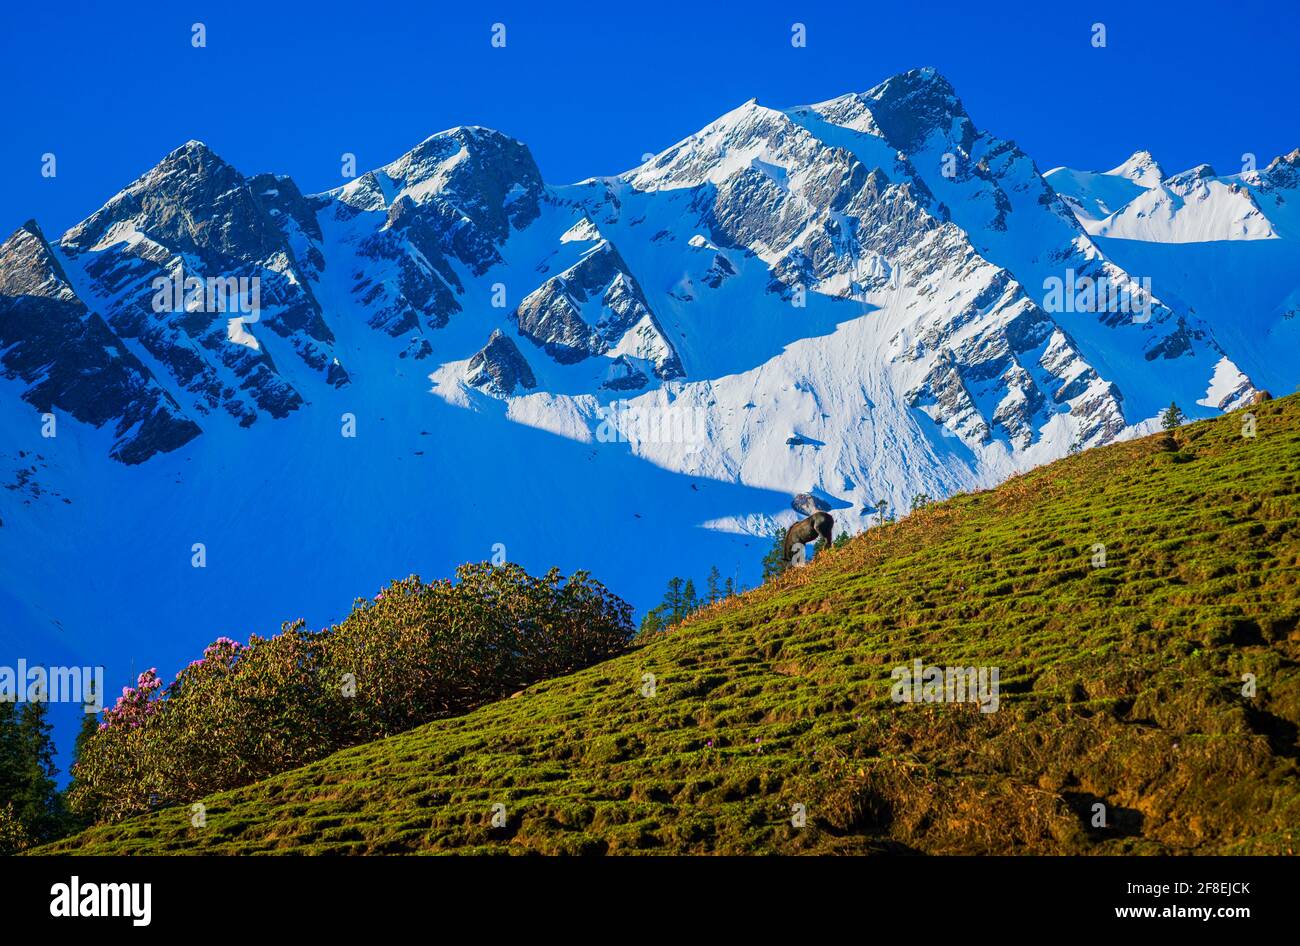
column 624, row 375
column 72, row 361
column 499, row 367
column 806, row 504
column 336, row 375
column 552, row 315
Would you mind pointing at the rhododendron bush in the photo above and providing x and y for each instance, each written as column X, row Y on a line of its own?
column 414, row 653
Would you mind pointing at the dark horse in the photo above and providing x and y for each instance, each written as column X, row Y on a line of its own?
column 818, row 525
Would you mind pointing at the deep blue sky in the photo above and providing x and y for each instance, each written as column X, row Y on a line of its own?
column 110, row 88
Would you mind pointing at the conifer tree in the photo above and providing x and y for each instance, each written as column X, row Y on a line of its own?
column 653, row 622
column 714, row 585
column 774, row 562
column 39, row 805
column 1173, row 417
column 673, row 600
column 29, row 797
column 690, row 603
column 11, row 754
column 13, row 833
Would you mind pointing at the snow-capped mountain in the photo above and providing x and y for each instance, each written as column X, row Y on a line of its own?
column 1137, row 201
column 1224, row 249
column 863, row 299
column 194, row 216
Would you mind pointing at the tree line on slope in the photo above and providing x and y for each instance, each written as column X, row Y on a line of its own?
column 681, row 599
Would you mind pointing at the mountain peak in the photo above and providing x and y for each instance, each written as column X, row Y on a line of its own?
column 1141, row 168
column 441, row 145
column 197, row 180
column 925, row 83
column 1284, row 170
column 192, row 149
column 1292, row 159
column 192, row 160
column 909, row 106
column 1199, row 173
column 747, row 111
column 717, row 150
column 31, row 227
column 491, row 177
column 29, row 261
column 499, row 366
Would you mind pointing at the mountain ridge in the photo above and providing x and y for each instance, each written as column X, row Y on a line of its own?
column 916, row 105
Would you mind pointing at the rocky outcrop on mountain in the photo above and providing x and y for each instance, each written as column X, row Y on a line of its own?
column 1283, row 172
column 71, row 362
column 550, row 318
column 593, row 307
column 719, row 271
column 766, row 184
column 808, row 503
column 499, row 367
column 908, row 108
column 451, row 200
column 624, row 375
column 295, row 216
column 490, row 178
column 402, row 289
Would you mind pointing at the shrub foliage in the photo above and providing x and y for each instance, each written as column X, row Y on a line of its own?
column 414, row 653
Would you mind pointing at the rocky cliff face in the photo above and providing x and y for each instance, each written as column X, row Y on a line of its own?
column 409, row 230
column 593, row 308
column 68, row 360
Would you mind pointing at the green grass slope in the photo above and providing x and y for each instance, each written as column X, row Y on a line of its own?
column 1120, row 686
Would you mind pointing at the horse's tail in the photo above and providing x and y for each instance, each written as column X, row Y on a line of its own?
column 785, row 547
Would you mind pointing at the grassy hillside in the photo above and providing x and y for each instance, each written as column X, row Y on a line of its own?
column 1120, row 686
